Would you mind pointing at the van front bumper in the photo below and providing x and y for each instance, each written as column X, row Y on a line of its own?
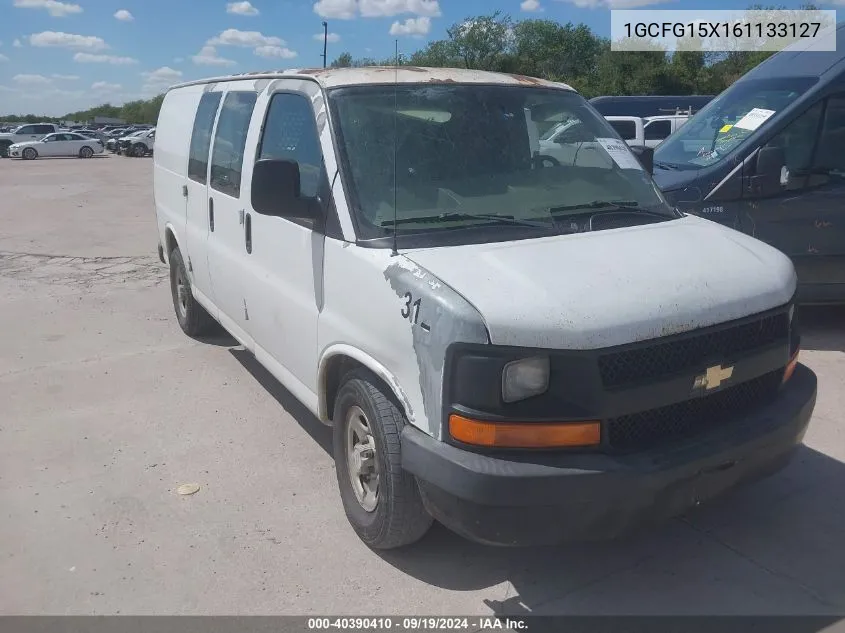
column 546, row 498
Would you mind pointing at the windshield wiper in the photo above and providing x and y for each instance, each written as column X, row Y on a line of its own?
column 598, row 204
column 453, row 215
column 667, row 166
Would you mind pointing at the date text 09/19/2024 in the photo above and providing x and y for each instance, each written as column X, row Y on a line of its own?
column 481, row 623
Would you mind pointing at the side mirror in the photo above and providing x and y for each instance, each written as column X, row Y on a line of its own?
column 276, row 190
column 770, row 161
column 645, row 155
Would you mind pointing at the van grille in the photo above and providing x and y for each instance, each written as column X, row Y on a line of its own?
column 643, row 364
column 649, row 429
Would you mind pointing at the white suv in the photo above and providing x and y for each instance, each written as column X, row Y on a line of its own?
column 24, row 133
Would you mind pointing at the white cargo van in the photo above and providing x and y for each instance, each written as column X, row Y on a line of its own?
column 649, row 131
column 524, row 350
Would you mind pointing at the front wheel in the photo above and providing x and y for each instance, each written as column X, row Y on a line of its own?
column 86, row 152
column 381, row 500
column 4, row 150
column 139, row 150
column 29, row 154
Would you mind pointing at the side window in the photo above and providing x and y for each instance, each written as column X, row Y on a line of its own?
column 658, row 130
column 201, row 136
column 830, row 155
column 227, row 156
column 798, row 139
column 290, row 133
column 28, row 129
column 626, row 129
column 44, row 129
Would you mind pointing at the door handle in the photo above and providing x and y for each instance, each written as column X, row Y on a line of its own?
column 248, row 233
column 211, row 214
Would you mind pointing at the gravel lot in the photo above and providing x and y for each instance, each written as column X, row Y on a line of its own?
column 107, row 408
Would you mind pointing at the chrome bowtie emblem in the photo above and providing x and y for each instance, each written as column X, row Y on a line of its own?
column 713, row 377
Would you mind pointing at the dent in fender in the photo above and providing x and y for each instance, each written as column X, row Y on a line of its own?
column 438, row 316
column 369, row 363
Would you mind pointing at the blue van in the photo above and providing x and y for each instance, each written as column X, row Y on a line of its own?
column 767, row 157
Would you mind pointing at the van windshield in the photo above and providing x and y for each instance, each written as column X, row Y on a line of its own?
column 480, row 163
column 724, row 123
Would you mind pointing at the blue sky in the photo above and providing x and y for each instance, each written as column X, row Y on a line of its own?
column 58, row 56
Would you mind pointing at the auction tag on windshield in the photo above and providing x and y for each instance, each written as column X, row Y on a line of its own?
column 620, row 153
column 754, row 119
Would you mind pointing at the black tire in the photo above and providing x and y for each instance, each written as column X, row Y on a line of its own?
column 29, row 153
column 399, row 517
column 138, row 150
column 86, row 152
column 192, row 317
column 4, row 150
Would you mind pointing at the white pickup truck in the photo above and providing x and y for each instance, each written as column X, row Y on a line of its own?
column 23, row 134
column 648, row 131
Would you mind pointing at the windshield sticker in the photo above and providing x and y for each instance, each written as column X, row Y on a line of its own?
column 754, row 119
column 725, row 128
column 620, row 153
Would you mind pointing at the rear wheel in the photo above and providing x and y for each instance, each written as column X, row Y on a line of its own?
column 29, row 154
column 381, row 500
column 192, row 317
column 86, row 152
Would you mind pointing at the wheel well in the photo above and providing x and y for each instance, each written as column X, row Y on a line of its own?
column 170, row 242
column 338, row 367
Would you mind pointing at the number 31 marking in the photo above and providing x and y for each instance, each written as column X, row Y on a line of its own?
column 411, row 310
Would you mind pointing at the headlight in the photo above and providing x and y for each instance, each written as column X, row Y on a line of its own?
column 524, row 378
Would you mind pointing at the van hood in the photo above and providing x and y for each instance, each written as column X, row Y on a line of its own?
column 595, row 290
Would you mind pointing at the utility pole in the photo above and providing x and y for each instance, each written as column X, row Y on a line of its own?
column 325, row 41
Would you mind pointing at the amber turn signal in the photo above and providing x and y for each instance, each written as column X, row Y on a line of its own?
column 790, row 366
column 524, row 434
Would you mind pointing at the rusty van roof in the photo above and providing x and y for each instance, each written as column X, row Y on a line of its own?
column 369, row 75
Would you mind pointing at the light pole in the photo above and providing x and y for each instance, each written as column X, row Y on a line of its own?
column 325, row 41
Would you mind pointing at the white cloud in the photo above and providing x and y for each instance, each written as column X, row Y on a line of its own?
column 247, row 39
column 337, row 9
column 614, row 4
column 331, row 37
column 389, row 8
column 160, row 79
column 105, row 86
column 241, row 8
column 349, row 9
column 274, row 52
column 31, row 80
column 88, row 58
column 529, row 6
column 208, row 57
column 415, row 27
column 67, row 40
column 17, row 43
column 3, row 58
column 124, row 16
column 55, row 8
column 66, row 77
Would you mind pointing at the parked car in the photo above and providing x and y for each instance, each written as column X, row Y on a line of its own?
column 547, row 352
column 57, row 144
column 23, row 133
column 114, row 143
column 766, row 157
column 93, row 134
column 649, row 105
column 139, row 144
column 648, row 131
